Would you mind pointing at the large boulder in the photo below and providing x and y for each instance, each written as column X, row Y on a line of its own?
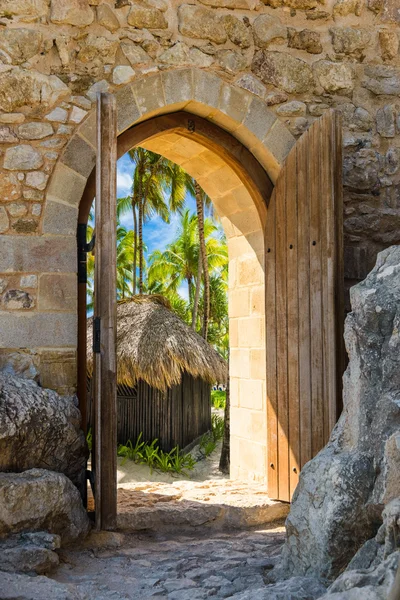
column 40, row 500
column 338, row 503
column 39, row 428
column 29, row 552
column 371, row 573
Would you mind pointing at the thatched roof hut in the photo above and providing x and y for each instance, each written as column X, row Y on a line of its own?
column 164, row 374
column 156, row 346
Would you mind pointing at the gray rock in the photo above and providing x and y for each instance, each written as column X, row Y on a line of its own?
column 20, row 44
column 382, row 80
column 39, row 428
column 284, row 71
column 350, row 41
column 267, row 29
column 386, row 121
column 367, row 583
column 237, row 31
column 231, row 61
column 134, row 53
column 17, row 300
column 296, row 588
column 35, row 131
column 334, row 77
column 4, row 220
column 29, row 552
column 38, row 500
column 338, row 503
column 24, row 587
column 73, row 12
column 145, row 16
column 306, row 39
column 22, row 157
column 198, row 22
column 248, row 82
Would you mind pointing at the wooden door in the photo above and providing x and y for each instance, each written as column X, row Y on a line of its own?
column 304, row 304
column 105, row 317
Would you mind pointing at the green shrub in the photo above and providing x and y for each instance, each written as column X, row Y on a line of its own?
column 151, row 455
column 209, row 440
column 218, row 399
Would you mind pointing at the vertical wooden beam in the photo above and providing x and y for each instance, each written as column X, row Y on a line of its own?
column 271, row 326
column 105, row 309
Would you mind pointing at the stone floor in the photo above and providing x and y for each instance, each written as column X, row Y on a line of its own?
column 175, row 567
column 216, row 504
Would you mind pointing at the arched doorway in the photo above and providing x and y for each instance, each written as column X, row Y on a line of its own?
column 240, row 190
column 271, row 424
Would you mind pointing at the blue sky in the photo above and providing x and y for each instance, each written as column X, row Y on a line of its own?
column 156, row 233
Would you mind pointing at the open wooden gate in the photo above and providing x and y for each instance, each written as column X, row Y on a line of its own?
column 304, row 304
column 104, row 454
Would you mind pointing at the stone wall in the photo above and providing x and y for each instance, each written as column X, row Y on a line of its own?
column 288, row 60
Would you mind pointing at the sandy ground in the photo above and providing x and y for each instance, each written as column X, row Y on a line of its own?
column 129, row 473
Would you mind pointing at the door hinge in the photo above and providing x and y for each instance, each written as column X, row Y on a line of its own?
column 83, row 248
column 96, row 335
column 191, row 126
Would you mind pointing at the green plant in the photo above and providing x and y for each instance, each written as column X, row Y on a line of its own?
column 130, row 451
column 218, row 398
column 151, row 455
column 217, row 427
column 209, row 440
column 89, row 439
column 207, row 444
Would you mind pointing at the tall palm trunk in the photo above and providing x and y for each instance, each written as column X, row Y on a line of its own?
column 224, row 462
column 135, row 240
column 197, row 293
column 141, row 247
column 190, row 287
column 141, row 201
column 203, row 253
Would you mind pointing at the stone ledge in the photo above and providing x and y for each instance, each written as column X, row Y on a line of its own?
column 188, row 505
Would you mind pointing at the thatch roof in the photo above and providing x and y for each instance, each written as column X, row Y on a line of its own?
column 155, row 345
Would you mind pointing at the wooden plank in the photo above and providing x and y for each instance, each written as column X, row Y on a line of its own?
column 304, row 302
column 292, row 320
column 281, row 338
column 317, row 399
column 270, row 316
column 327, row 148
column 339, row 267
column 106, row 309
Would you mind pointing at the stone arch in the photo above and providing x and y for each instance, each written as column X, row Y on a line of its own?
column 241, row 204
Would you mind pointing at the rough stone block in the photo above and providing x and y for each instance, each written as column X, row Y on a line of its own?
column 79, row 156
column 149, row 94
column 66, row 185
column 178, row 86
column 34, row 329
column 259, row 119
column 59, row 218
column 38, row 253
column 207, row 88
column 57, row 291
column 127, row 110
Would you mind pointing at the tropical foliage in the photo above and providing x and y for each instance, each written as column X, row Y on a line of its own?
column 196, row 260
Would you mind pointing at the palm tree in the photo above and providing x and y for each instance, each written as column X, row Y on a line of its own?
column 201, row 200
column 154, row 177
column 179, row 262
